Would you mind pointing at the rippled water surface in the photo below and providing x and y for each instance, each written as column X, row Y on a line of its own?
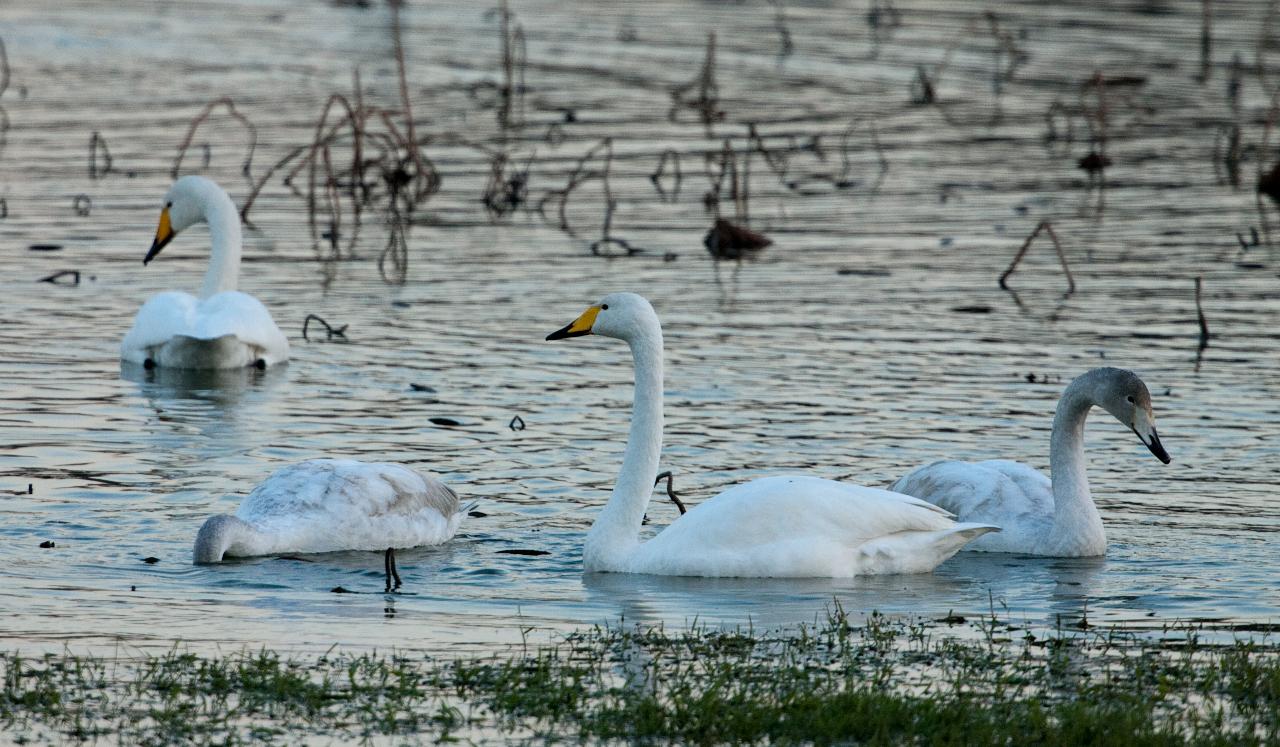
column 869, row 338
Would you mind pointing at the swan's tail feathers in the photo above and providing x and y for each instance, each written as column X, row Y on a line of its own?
column 916, row 551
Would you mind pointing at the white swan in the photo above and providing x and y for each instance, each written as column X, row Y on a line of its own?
column 791, row 526
column 224, row 328
column 1040, row 516
column 325, row 505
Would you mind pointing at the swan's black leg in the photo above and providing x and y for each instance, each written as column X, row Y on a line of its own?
column 389, row 564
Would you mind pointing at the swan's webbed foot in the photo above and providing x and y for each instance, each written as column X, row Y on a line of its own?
column 389, row 564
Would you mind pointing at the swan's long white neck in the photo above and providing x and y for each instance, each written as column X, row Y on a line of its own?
column 1077, row 525
column 615, row 533
column 224, row 233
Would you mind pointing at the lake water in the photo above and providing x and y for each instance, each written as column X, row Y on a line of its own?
column 871, row 337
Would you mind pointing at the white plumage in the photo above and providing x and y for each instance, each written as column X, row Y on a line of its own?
column 325, row 505
column 785, row 526
column 223, row 328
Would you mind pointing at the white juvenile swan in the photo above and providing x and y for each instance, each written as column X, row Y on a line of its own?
column 224, row 328
column 793, row 526
column 1040, row 516
column 325, row 505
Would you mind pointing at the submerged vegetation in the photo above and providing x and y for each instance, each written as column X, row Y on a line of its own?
column 882, row 682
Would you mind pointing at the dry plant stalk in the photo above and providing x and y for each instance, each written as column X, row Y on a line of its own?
column 377, row 143
column 577, row 177
column 656, row 177
column 98, row 144
column 1047, row 227
column 1204, row 324
column 707, row 102
column 514, row 60
column 200, row 119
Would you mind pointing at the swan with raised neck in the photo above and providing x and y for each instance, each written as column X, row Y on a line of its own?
column 790, row 526
column 1040, row 515
column 222, row 328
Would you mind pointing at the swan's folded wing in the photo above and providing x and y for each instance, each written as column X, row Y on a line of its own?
column 241, row 315
column 995, row 491
column 346, row 488
column 162, row 317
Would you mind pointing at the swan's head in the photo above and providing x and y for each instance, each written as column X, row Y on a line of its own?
column 621, row 315
column 215, row 537
column 184, row 206
column 1125, row 396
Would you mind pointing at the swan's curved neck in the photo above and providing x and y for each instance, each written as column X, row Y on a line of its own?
column 224, row 233
column 1076, row 521
column 219, row 534
column 615, row 533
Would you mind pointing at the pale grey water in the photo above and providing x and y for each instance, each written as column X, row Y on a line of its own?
column 786, row 364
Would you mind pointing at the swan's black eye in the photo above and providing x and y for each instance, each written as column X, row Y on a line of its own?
column 1130, row 398
column 168, row 204
column 604, row 307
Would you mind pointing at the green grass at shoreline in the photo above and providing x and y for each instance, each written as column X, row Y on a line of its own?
column 883, row 682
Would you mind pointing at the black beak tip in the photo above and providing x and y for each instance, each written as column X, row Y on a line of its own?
column 1157, row 448
column 563, row 333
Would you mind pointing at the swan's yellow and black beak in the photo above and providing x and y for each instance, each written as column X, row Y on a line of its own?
column 580, row 326
column 164, row 234
column 1153, row 443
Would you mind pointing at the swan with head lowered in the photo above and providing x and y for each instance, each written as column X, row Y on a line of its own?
column 785, row 526
column 223, row 328
column 1039, row 515
column 326, row 505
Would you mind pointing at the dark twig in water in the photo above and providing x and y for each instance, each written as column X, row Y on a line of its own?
column 707, row 101
column 1206, row 40
column 55, row 277
column 98, row 144
column 671, row 493
column 514, row 60
column 225, row 101
column 507, row 189
column 882, row 19
column 516, row 424
column 4, row 208
column 780, row 23
column 330, row 332
column 4, row 68
column 673, row 193
column 1047, row 227
column 577, row 178
column 82, row 204
column 389, row 565
column 1204, row 324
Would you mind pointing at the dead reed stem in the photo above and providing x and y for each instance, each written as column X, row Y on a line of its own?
column 98, row 144
column 1062, row 257
column 1204, row 324
column 707, row 102
column 200, row 118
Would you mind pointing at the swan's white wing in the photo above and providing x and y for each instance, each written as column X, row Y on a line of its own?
column 161, row 318
column 804, row 526
column 182, row 318
column 1009, row 494
column 337, row 504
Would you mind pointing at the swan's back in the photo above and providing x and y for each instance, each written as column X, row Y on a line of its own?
column 332, row 504
column 800, row 526
column 997, row 491
column 171, row 327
